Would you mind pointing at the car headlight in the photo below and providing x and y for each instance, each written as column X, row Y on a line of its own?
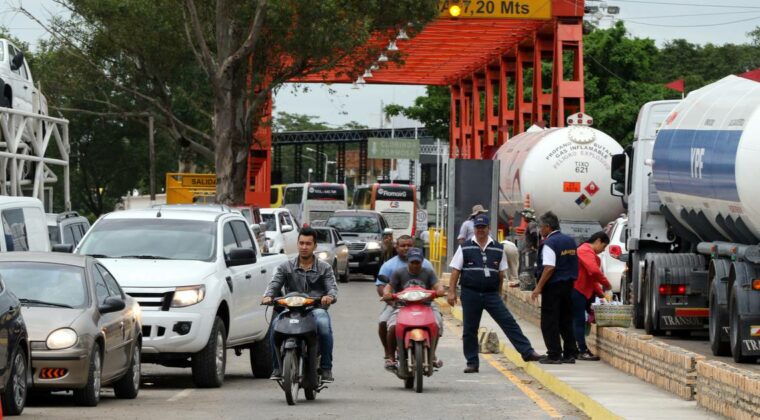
column 373, row 245
column 186, row 296
column 322, row 255
column 62, row 338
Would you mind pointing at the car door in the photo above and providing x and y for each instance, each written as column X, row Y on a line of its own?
column 290, row 238
column 110, row 325
column 236, row 281
column 251, row 288
column 6, row 324
column 22, row 91
column 123, row 354
column 341, row 252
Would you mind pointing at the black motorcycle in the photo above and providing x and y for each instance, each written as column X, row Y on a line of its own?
column 295, row 335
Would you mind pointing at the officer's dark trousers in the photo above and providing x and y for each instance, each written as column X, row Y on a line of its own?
column 473, row 304
column 557, row 319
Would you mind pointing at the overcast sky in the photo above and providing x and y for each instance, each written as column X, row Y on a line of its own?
column 699, row 21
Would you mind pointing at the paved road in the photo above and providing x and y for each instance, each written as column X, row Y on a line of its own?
column 362, row 388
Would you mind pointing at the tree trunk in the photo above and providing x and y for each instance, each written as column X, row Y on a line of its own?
column 229, row 142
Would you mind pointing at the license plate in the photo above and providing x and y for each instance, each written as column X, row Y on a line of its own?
column 353, row 264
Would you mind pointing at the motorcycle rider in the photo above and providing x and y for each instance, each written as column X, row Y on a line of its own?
column 414, row 274
column 307, row 274
column 403, row 244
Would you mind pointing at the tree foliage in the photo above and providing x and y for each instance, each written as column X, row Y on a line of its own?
column 432, row 110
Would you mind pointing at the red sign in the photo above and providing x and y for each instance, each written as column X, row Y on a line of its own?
column 591, row 188
column 571, row 187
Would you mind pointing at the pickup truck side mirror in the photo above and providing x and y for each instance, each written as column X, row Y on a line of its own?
column 340, row 243
column 65, row 248
column 240, row 256
column 111, row 304
column 17, row 61
column 622, row 258
column 286, row 228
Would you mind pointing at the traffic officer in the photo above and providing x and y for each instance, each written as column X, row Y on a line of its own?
column 482, row 264
column 557, row 269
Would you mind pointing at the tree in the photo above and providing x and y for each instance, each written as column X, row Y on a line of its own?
column 231, row 54
column 432, row 110
column 286, row 121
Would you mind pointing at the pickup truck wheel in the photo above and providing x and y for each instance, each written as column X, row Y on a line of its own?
column 209, row 364
column 261, row 357
column 344, row 277
column 128, row 386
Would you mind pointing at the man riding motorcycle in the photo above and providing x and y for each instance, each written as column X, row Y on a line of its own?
column 414, row 274
column 307, row 274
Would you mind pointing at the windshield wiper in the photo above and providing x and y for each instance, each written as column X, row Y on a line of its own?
column 145, row 257
column 42, row 302
column 98, row 256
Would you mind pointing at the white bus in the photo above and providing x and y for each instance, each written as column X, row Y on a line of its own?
column 397, row 203
column 313, row 201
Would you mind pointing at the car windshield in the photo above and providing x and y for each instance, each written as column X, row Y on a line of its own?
column 323, row 236
column 46, row 284
column 269, row 221
column 355, row 224
column 55, row 235
column 151, row 238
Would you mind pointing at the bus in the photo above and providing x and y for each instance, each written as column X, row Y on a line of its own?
column 397, row 202
column 314, row 201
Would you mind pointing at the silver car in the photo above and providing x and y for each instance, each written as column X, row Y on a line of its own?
column 84, row 331
column 332, row 249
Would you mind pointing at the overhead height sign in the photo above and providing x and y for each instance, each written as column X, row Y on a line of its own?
column 510, row 9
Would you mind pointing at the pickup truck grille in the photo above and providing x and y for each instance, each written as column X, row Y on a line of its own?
column 396, row 220
column 152, row 299
column 356, row 246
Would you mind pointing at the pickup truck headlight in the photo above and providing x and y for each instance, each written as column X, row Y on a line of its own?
column 186, row 296
column 322, row 255
column 61, row 338
column 371, row 246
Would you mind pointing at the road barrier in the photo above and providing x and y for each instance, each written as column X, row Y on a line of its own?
column 437, row 249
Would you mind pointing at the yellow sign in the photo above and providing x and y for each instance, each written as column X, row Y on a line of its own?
column 198, row 180
column 509, row 9
column 190, row 188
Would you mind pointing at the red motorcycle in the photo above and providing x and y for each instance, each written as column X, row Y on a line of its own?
column 416, row 330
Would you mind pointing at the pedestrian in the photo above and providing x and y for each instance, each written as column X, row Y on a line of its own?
column 590, row 283
column 557, row 269
column 467, row 231
column 513, row 260
column 482, row 263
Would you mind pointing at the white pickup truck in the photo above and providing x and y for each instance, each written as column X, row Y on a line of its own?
column 198, row 276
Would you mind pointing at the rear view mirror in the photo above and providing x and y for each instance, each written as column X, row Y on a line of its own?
column 17, row 61
column 65, row 248
column 111, row 304
column 286, row 228
column 340, row 243
column 622, row 258
column 240, row 256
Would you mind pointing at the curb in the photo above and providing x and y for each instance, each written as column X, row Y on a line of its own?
column 580, row 400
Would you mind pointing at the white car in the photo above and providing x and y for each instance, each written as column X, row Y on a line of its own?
column 281, row 231
column 611, row 266
column 16, row 83
column 198, row 276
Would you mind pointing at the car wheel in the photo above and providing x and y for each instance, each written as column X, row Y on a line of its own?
column 344, row 277
column 89, row 396
column 209, row 363
column 128, row 386
column 14, row 396
column 261, row 357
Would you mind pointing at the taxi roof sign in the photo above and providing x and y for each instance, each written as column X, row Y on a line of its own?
column 489, row 9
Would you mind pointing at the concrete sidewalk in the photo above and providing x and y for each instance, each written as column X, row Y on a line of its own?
column 596, row 388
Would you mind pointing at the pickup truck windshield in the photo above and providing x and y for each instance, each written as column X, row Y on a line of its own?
column 269, row 222
column 355, row 224
column 161, row 238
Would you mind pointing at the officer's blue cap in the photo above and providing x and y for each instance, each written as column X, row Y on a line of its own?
column 481, row 220
column 414, row 254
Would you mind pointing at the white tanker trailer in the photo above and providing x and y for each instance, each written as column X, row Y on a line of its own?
column 563, row 170
column 694, row 216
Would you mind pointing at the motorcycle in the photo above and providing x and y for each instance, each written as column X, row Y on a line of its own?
column 416, row 328
column 295, row 335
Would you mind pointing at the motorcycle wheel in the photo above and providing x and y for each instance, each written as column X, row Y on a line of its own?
column 290, row 385
column 419, row 368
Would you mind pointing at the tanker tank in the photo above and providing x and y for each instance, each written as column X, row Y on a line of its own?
column 563, row 170
column 706, row 161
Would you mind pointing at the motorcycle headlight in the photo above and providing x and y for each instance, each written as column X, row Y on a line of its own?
column 186, row 296
column 322, row 255
column 295, row 301
column 373, row 245
column 61, row 339
column 414, row 296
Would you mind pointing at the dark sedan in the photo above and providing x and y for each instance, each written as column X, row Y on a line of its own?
column 14, row 353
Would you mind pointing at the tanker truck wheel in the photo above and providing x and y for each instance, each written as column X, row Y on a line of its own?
column 650, row 295
column 718, row 345
column 634, row 276
column 735, row 333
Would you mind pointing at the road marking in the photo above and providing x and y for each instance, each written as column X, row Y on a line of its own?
column 180, row 395
column 542, row 403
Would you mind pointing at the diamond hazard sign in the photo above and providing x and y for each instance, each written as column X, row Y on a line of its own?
column 591, row 188
column 754, row 330
column 582, row 201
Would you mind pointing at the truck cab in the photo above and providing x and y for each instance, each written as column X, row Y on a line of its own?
column 16, row 82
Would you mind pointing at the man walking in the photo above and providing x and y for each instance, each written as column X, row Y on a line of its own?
column 557, row 270
column 467, row 231
column 482, row 265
